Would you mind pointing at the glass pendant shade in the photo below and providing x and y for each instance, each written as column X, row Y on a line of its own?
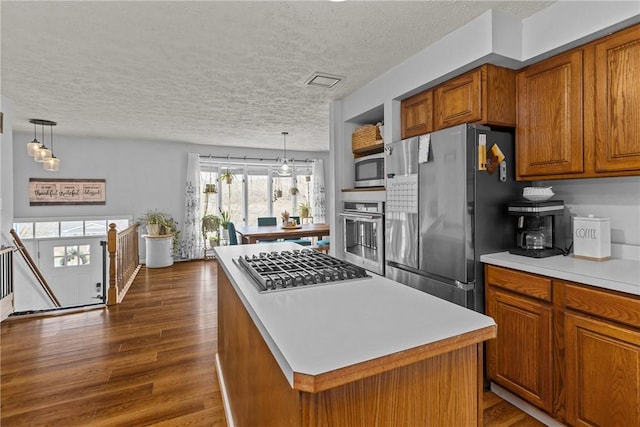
column 33, row 146
column 52, row 164
column 42, row 154
column 285, row 169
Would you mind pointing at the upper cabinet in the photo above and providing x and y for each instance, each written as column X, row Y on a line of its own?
column 485, row 95
column 577, row 113
column 549, row 131
column 617, row 102
column 417, row 114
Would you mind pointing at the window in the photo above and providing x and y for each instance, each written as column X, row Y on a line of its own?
column 256, row 190
column 67, row 227
column 71, row 256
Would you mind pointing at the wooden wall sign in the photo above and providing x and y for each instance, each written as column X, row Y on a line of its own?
column 44, row 191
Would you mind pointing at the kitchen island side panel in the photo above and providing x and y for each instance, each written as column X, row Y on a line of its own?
column 257, row 391
column 441, row 390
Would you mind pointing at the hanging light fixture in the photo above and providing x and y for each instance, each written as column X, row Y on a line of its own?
column 42, row 153
column 285, row 169
column 51, row 164
column 35, row 144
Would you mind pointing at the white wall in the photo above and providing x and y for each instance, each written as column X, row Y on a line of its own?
column 614, row 198
column 140, row 175
column 6, row 172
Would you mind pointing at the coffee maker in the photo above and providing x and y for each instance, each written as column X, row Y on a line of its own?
column 539, row 228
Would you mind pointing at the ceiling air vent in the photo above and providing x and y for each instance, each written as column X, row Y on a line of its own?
column 324, row 80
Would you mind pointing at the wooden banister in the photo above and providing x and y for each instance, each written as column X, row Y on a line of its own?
column 34, row 268
column 124, row 262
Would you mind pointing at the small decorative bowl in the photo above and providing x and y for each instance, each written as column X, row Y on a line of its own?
column 537, row 194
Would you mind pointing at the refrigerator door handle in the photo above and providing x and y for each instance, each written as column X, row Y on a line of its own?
column 465, row 286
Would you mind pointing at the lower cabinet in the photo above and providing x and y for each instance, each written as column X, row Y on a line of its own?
column 572, row 350
column 520, row 358
column 603, row 373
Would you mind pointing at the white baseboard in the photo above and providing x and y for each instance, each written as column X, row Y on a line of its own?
column 225, row 396
column 524, row 406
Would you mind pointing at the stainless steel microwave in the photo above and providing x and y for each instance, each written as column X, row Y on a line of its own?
column 369, row 171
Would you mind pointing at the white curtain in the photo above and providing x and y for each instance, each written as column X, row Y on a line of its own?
column 191, row 243
column 318, row 199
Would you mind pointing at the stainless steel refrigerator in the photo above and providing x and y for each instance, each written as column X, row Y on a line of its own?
column 446, row 205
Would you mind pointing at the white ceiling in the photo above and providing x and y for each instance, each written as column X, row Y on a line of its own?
column 210, row 72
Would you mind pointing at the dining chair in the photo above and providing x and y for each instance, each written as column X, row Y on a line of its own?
column 267, row 220
column 233, row 238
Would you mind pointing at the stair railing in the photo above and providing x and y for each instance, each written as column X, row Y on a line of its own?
column 34, row 268
column 6, row 281
column 124, row 261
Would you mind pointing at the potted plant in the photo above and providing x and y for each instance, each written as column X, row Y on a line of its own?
column 210, row 224
column 227, row 177
column 304, row 209
column 293, row 191
column 214, row 241
column 225, row 217
column 210, row 188
column 285, row 217
column 153, row 220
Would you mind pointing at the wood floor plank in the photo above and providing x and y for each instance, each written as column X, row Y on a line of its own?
column 147, row 361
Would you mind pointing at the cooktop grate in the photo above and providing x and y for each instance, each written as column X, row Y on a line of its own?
column 275, row 271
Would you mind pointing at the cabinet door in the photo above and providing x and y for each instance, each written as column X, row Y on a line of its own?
column 458, row 101
column 617, row 102
column 549, row 117
column 520, row 359
column 603, row 373
column 417, row 114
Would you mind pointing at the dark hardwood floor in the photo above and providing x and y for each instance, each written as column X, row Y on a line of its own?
column 148, row 361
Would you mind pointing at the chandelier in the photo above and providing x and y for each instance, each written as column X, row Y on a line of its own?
column 39, row 150
column 285, row 168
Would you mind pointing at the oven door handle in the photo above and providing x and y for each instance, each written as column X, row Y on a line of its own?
column 360, row 216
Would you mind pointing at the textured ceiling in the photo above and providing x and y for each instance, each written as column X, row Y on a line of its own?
column 209, row 72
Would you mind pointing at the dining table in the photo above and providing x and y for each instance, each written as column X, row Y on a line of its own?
column 255, row 233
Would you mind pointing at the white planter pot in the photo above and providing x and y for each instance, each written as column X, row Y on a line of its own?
column 224, row 233
column 213, row 243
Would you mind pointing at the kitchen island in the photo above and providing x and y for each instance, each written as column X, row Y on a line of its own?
column 361, row 352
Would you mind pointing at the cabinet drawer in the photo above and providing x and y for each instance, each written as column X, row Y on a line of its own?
column 517, row 281
column 606, row 304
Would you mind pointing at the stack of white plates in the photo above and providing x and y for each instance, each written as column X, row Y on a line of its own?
column 537, row 194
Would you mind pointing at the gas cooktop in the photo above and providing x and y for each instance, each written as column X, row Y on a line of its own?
column 276, row 271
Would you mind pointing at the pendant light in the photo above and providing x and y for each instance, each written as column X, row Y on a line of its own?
column 51, row 164
column 42, row 153
column 35, row 144
column 285, row 169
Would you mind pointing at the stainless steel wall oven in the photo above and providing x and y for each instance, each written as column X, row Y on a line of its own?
column 363, row 231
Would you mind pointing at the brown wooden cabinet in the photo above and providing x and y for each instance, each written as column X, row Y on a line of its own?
column 520, row 359
column 617, row 102
column 577, row 112
column 603, row 373
column 485, row 95
column 602, row 353
column 417, row 114
column 572, row 350
column 549, row 130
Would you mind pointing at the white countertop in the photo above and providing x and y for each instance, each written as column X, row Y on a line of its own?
column 320, row 329
column 617, row 274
